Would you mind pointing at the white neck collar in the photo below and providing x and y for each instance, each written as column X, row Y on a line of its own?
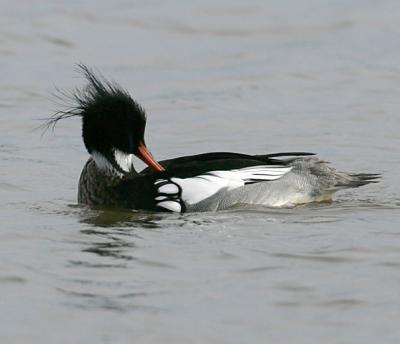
column 124, row 161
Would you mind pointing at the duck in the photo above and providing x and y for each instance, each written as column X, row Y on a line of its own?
column 113, row 132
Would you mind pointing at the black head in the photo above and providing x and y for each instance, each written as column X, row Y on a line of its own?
column 111, row 119
column 113, row 124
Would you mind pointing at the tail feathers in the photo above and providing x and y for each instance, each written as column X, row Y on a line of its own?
column 355, row 180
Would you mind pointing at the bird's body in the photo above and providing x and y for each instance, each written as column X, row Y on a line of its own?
column 113, row 131
column 218, row 185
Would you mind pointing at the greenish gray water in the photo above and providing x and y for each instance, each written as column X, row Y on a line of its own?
column 255, row 77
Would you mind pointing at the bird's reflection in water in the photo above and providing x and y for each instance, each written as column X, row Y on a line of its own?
column 129, row 220
column 112, row 217
column 113, row 231
column 109, row 243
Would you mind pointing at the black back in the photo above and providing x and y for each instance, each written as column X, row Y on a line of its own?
column 193, row 165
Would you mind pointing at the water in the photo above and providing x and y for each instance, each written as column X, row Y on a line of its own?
column 254, row 77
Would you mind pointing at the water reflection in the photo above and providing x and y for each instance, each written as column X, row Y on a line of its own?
column 127, row 261
column 113, row 249
column 121, row 303
column 106, row 270
column 104, row 217
column 111, row 217
column 312, row 213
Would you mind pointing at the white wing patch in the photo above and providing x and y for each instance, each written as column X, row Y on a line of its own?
column 198, row 188
column 171, row 205
column 168, row 189
column 169, row 196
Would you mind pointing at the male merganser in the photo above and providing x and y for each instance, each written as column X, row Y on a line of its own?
column 113, row 127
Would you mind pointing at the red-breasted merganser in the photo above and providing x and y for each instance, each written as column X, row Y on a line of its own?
column 113, row 127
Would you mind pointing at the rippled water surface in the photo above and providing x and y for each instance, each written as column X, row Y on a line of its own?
column 260, row 76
